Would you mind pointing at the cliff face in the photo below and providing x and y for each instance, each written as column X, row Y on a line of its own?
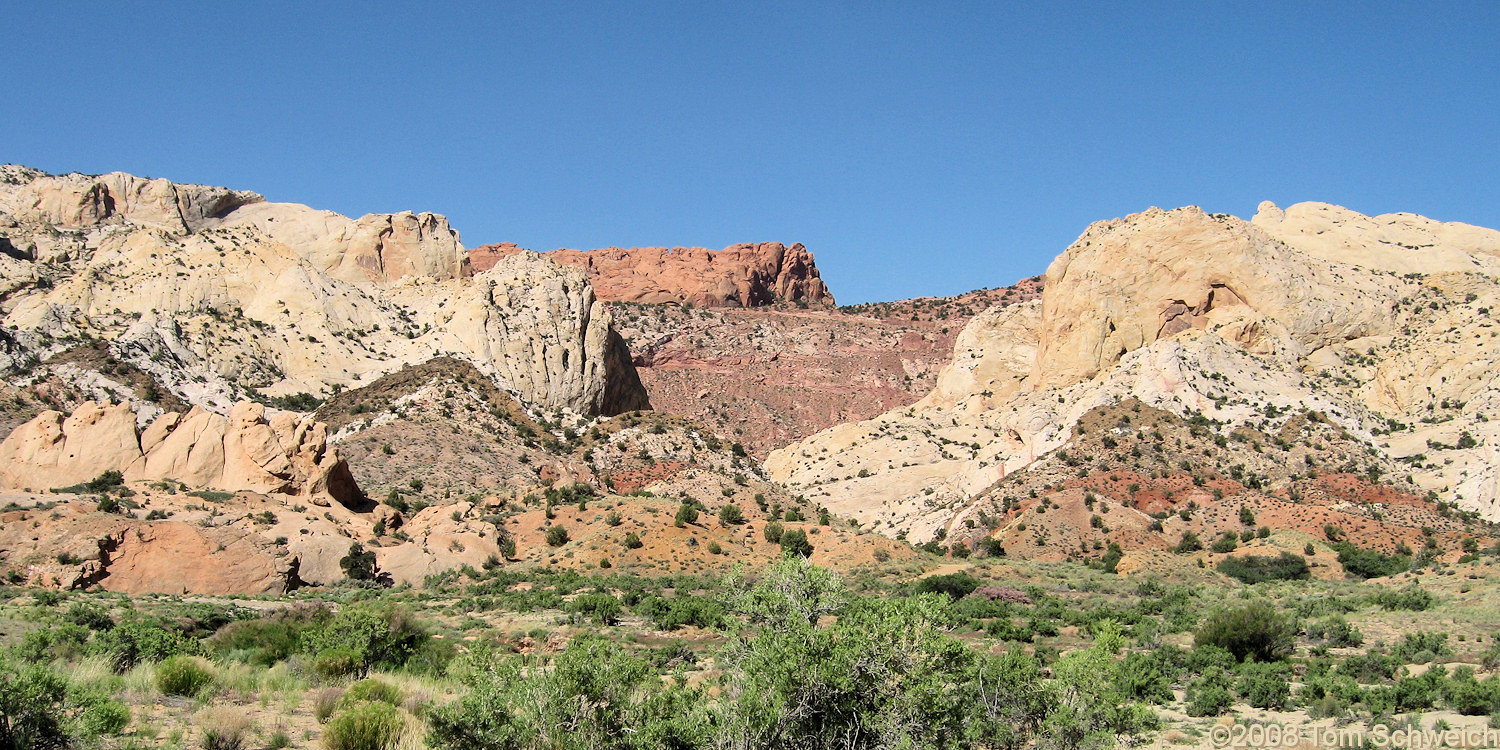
column 285, row 455
column 215, row 292
column 1384, row 324
column 745, row 275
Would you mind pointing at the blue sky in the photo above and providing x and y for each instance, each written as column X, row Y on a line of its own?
column 915, row 148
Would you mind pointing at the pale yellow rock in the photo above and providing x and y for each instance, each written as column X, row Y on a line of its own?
column 56, row 451
column 242, row 452
column 211, row 291
column 1367, row 320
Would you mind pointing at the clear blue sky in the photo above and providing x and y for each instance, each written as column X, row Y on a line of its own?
column 916, row 148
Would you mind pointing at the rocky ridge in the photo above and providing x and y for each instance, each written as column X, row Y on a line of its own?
column 1203, row 314
column 219, row 295
column 746, row 275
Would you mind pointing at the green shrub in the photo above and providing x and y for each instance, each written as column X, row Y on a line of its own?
column 100, row 715
column 133, row 642
column 731, row 515
column 379, row 635
column 338, row 663
column 1336, row 631
column 1254, row 630
column 1366, row 563
column 1208, row 696
column 773, row 532
column 363, row 726
column 1188, row 543
column 1412, row 598
column 632, row 540
column 601, row 609
column 557, row 536
column 1265, row 685
column 1252, row 569
column 358, row 565
column 372, row 691
column 794, row 543
column 1422, row 647
column 955, row 585
column 32, row 710
column 182, row 675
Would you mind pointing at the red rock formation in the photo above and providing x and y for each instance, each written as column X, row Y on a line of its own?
column 744, row 275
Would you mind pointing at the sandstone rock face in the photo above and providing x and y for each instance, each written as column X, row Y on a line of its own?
column 745, row 275
column 213, row 292
column 243, row 452
column 1383, row 324
column 373, row 248
column 77, row 201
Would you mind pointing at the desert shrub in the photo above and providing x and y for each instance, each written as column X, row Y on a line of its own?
column 378, row 635
column 955, row 585
column 773, row 532
column 1145, row 677
column 1000, row 594
column 687, row 513
column 325, row 702
column 731, row 515
column 601, row 609
column 88, row 615
column 268, row 639
column 1002, row 628
column 1370, row 667
column 1421, row 647
column 596, row 695
column 677, row 612
column 364, row 726
column 1412, row 598
column 1253, row 569
column 1188, row 543
column 224, row 728
column 133, row 642
column 794, row 543
column 373, row 691
column 1254, row 630
column 1417, row 693
column 96, row 713
column 1335, row 631
column 359, row 564
column 1366, row 563
column 337, row 663
column 632, row 541
column 1225, row 544
column 557, row 536
column 1264, row 684
column 1208, row 696
column 1470, row 697
column 32, row 709
column 183, row 675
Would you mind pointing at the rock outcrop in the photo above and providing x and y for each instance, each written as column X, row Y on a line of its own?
column 215, row 292
column 745, row 275
column 1384, row 324
column 285, row 455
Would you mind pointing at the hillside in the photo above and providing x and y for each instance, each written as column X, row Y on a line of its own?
column 1382, row 324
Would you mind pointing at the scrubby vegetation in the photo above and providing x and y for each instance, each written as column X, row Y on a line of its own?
column 1000, row 654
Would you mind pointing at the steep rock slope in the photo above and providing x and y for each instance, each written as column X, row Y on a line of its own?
column 217, row 294
column 745, row 275
column 242, row 452
column 1200, row 314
